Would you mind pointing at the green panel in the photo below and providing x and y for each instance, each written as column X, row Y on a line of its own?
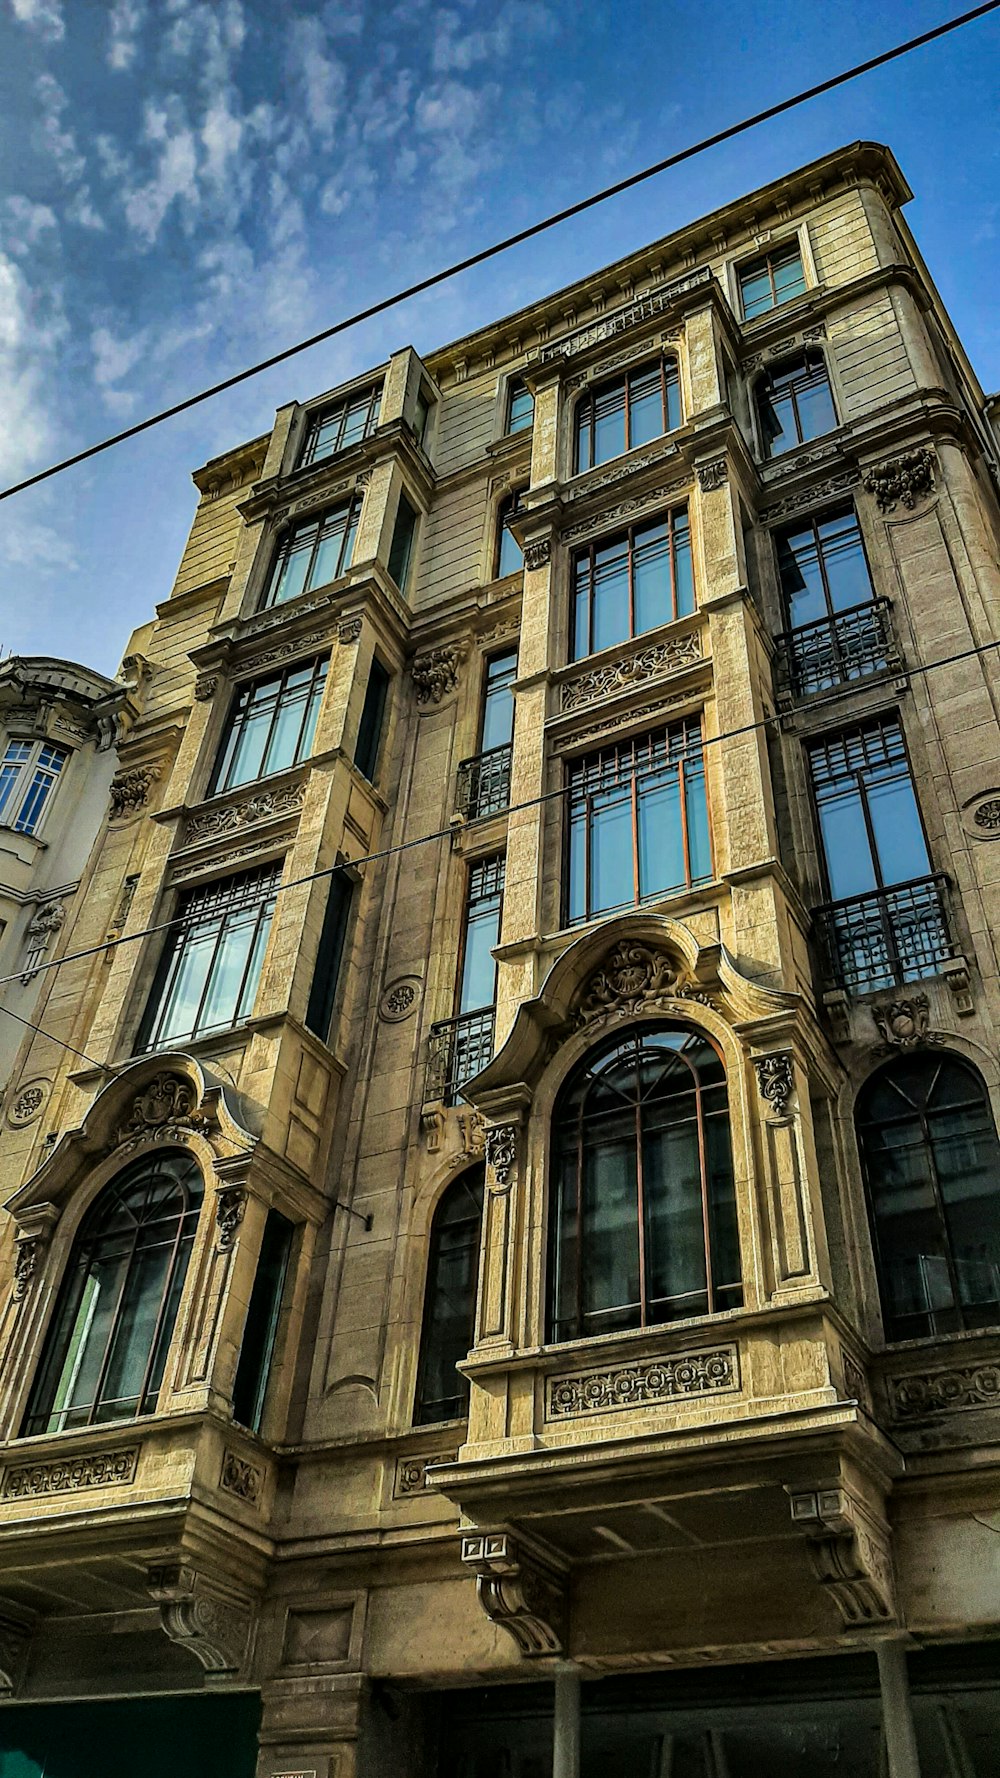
column 201, row 1737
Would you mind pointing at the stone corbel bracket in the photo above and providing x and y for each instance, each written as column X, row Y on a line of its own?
column 849, row 1551
column 204, row 1616
column 518, row 1590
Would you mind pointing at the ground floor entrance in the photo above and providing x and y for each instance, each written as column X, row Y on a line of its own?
column 809, row 1718
column 173, row 1737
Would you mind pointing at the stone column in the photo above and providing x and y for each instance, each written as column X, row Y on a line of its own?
column 897, row 1712
column 566, row 1723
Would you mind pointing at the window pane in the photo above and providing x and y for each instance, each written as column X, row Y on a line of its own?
column 226, row 975
column 479, row 972
column 661, row 836
column 609, row 425
column 801, row 578
column 816, row 410
column 789, row 279
column 510, row 557
column 674, row 1219
column 450, row 1300
column 611, row 608
column 778, row 424
column 584, row 458
column 848, row 856
column 293, row 565
column 611, row 853
column 610, row 1289
column 683, row 574
column 498, row 704
column 179, row 1012
column 699, row 842
column 576, row 896
column 846, row 567
column 651, row 571
column 899, row 837
column 248, row 754
column 645, row 408
column 520, row 407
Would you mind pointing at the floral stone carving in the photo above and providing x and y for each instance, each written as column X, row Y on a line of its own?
column 436, row 672
column 633, row 978
column 241, row 1478
column 130, row 790
column 904, row 1024
column 538, row 555
column 775, row 1081
column 85, row 1469
column 921, row 1393
column 905, row 479
column 987, row 816
column 713, row 475
column 230, row 1206
column 265, row 805
column 166, row 1106
column 635, row 669
column 642, row 1384
column 501, row 1152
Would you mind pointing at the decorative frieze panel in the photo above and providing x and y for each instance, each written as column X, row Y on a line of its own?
column 646, row 309
column 411, row 1472
column 623, row 510
column 241, row 1478
column 87, row 1469
column 919, row 1394
column 654, row 662
column 517, row 1591
column 264, row 805
column 644, row 1383
column 906, row 480
column 282, row 614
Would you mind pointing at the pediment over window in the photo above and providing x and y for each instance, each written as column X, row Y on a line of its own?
column 160, row 1099
column 636, row 966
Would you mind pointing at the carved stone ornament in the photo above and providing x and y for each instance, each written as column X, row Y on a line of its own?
column 28, row 1103
column 924, row 1393
column 436, row 672
column 623, row 509
column 905, row 479
column 813, row 496
column 501, row 1153
column 48, row 920
column 775, row 1082
column 130, row 790
column 645, row 309
column 27, row 1254
column 209, row 1621
column 241, row 1478
column 85, row 1469
column 264, row 805
column 230, row 1207
column 649, row 663
column 538, row 555
column 205, row 686
column 473, row 1131
column 849, row 1553
column 164, row 1109
column 633, row 978
column 713, row 475
column 647, row 1382
column 399, row 1000
column 411, row 1472
column 518, row 1592
column 350, row 631
column 987, row 816
column 904, row 1024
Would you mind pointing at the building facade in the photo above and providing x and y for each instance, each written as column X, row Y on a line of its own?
column 59, row 727
column 512, row 1283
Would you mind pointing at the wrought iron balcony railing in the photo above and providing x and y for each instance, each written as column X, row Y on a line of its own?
column 484, row 783
column 836, row 650
column 887, row 937
column 459, row 1048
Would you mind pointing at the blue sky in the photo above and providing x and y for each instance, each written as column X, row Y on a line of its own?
column 186, row 185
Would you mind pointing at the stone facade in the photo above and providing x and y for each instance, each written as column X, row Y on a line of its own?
column 795, row 1480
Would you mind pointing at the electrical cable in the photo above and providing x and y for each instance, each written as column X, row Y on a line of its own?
column 503, row 246
column 443, row 833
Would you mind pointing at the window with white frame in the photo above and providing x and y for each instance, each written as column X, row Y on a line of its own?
column 29, row 772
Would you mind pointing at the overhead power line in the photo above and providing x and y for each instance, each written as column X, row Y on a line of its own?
column 441, row 833
column 486, row 253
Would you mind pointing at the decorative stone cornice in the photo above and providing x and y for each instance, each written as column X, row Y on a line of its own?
column 907, row 479
column 643, row 1383
column 517, row 1591
column 652, row 662
column 622, row 320
column 850, row 1554
column 209, row 1620
column 436, row 672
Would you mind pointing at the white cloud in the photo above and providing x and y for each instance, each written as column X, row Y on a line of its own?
column 43, row 16
column 126, row 22
column 321, row 78
column 175, row 179
column 221, row 135
column 449, row 108
column 27, row 335
column 58, row 141
column 28, row 223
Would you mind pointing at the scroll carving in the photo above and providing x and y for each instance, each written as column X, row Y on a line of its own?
column 635, row 669
column 501, row 1153
column 713, row 475
column 775, row 1082
column 518, row 1592
column 211, row 1622
column 905, row 479
column 264, row 805
column 633, row 978
column 164, row 1108
column 849, row 1553
column 538, row 555
column 230, row 1206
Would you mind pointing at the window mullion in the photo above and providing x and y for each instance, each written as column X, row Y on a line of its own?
column 640, row 1187
column 161, row 1313
column 705, row 1220
column 109, row 1344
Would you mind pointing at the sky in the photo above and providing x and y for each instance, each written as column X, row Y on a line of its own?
column 189, row 185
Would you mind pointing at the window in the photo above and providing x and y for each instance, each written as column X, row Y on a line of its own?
column 794, row 403
column 520, row 406
column 484, row 780
column 314, row 553
column 211, row 965
column 631, row 410
column 638, row 821
column 344, row 424
column 329, row 957
column 261, row 1329
column 28, row 774
column 644, row 1223
column 106, row 1352
column 461, row 1046
column 887, row 922
column 773, row 279
column 632, row 583
column 271, row 725
column 932, row 1167
column 510, row 556
column 498, row 701
column 450, row 1301
column 421, row 415
column 372, row 716
column 401, row 548
column 837, row 631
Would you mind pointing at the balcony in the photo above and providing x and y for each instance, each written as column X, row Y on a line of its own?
column 484, row 783
column 459, row 1048
column 838, row 650
column 887, row 937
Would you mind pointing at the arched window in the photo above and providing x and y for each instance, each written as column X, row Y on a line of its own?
column 107, row 1347
column 630, row 410
column 932, row 1168
column 450, row 1300
column 644, row 1206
